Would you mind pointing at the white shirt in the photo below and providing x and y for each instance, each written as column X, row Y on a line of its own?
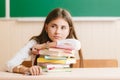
column 25, row 52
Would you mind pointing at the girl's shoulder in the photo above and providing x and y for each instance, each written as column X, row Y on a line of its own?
column 31, row 42
column 73, row 42
column 68, row 41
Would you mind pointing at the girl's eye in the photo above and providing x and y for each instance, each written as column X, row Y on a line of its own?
column 53, row 26
column 63, row 27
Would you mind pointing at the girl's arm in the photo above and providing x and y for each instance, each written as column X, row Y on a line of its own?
column 23, row 54
column 67, row 43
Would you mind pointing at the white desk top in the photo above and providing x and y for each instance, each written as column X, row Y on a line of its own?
column 75, row 74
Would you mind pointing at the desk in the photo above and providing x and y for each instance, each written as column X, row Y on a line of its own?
column 76, row 74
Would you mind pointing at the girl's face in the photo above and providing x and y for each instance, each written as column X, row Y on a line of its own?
column 57, row 29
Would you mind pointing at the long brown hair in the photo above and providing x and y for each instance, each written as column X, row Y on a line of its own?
column 56, row 13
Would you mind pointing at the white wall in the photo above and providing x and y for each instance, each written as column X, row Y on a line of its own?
column 99, row 39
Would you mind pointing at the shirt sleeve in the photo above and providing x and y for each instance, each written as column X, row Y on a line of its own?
column 75, row 44
column 21, row 55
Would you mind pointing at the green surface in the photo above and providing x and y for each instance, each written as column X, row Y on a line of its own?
column 86, row 8
column 2, row 8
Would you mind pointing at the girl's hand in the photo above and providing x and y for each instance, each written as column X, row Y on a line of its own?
column 36, row 48
column 35, row 70
column 35, row 51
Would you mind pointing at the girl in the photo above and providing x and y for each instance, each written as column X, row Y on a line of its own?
column 58, row 30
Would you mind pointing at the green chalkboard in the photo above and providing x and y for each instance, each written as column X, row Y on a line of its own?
column 85, row 8
column 2, row 8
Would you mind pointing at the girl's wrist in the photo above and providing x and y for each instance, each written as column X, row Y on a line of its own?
column 47, row 45
column 52, row 44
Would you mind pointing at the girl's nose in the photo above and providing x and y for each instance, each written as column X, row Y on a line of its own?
column 58, row 30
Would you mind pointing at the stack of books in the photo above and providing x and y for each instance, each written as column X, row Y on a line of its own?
column 56, row 59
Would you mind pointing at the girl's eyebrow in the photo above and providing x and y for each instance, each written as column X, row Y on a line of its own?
column 54, row 24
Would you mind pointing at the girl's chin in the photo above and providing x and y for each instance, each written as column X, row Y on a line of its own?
column 56, row 40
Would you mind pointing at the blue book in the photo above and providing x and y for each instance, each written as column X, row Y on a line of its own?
column 55, row 57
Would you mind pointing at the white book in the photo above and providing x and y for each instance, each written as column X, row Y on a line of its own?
column 55, row 53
